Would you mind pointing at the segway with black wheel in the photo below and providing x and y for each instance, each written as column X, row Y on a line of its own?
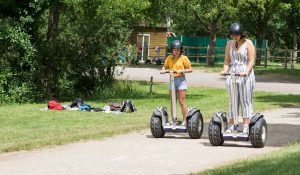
column 159, row 123
column 218, row 124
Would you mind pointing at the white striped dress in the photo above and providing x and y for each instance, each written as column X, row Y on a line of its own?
column 244, row 85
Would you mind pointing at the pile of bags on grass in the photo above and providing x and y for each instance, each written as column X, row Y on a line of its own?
column 79, row 105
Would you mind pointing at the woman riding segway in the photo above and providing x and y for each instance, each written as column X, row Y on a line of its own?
column 240, row 58
column 240, row 82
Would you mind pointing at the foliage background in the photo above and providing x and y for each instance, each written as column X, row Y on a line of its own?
column 64, row 49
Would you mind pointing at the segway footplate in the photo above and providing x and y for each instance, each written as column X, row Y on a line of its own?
column 175, row 128
column 236, row 136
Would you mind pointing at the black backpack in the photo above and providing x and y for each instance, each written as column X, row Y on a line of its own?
column 76, row 103
column 128, row 106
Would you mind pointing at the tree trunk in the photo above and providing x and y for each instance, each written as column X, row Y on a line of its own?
column 212, row 45
column 53, row 20
column 211, row 53
column 52, row 32
column 259, row 48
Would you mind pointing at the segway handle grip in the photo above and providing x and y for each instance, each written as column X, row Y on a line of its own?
column 164, row 72
column 234, row 74
column 174, row 71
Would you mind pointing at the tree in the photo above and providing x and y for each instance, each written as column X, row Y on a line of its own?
column 256, row 15
column 293, row 25
column 202, row 17
column 16, row 52
column 63, row 48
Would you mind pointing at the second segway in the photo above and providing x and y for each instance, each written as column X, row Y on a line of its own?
column 218, row 124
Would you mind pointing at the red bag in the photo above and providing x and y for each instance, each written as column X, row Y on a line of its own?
column 53, row 105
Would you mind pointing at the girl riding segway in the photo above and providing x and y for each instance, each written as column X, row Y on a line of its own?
column 176, row 65
column 181, row 64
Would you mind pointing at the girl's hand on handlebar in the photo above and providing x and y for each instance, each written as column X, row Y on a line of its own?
column 164, row 71
column 180, row 71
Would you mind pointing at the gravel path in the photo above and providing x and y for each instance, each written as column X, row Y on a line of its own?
column 140, row 153
column 198, row 78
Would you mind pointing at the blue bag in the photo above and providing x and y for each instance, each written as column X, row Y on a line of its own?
column 84, row 107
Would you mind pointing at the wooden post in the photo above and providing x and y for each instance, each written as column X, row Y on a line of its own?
column 266, row 57
column 151, row 84
column 197, row 54
column 187, row 51
column 293, row 58
column 285, row 58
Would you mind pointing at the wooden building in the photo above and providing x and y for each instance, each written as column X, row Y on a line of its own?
column 151, row 42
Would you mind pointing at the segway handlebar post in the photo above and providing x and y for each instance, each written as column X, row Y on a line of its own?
column 173, row 71
column 173, row 91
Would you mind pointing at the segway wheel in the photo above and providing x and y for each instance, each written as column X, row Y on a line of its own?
column 195, row 125
column 258, row 133
column 156, row 127
column 214, row 134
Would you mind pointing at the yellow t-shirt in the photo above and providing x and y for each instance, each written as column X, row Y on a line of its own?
column 175, row 64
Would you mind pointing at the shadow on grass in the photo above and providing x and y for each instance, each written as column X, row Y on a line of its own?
column 276, row 73
column 283, row 100
column 274, row 78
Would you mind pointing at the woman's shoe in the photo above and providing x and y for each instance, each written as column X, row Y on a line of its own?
column 246, row 129
column 230, row 129
column 233, row 128
column 183, row 123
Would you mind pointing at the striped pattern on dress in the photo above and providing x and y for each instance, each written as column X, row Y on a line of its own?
column 244, row 85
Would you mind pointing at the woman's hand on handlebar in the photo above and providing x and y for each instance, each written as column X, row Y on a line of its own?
column 222, row 73
column 243, row 74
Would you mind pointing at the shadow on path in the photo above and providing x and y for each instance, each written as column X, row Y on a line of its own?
column 278, row 135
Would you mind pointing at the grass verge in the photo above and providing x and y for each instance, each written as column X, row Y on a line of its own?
column 285, row 161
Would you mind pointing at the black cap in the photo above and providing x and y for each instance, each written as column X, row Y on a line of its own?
column 176, row 44
column 236, row 28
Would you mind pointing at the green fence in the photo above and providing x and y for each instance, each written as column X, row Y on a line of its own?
column 196, row 47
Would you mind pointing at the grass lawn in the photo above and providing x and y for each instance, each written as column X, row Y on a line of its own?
column 25, row 126
column 285, row 161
